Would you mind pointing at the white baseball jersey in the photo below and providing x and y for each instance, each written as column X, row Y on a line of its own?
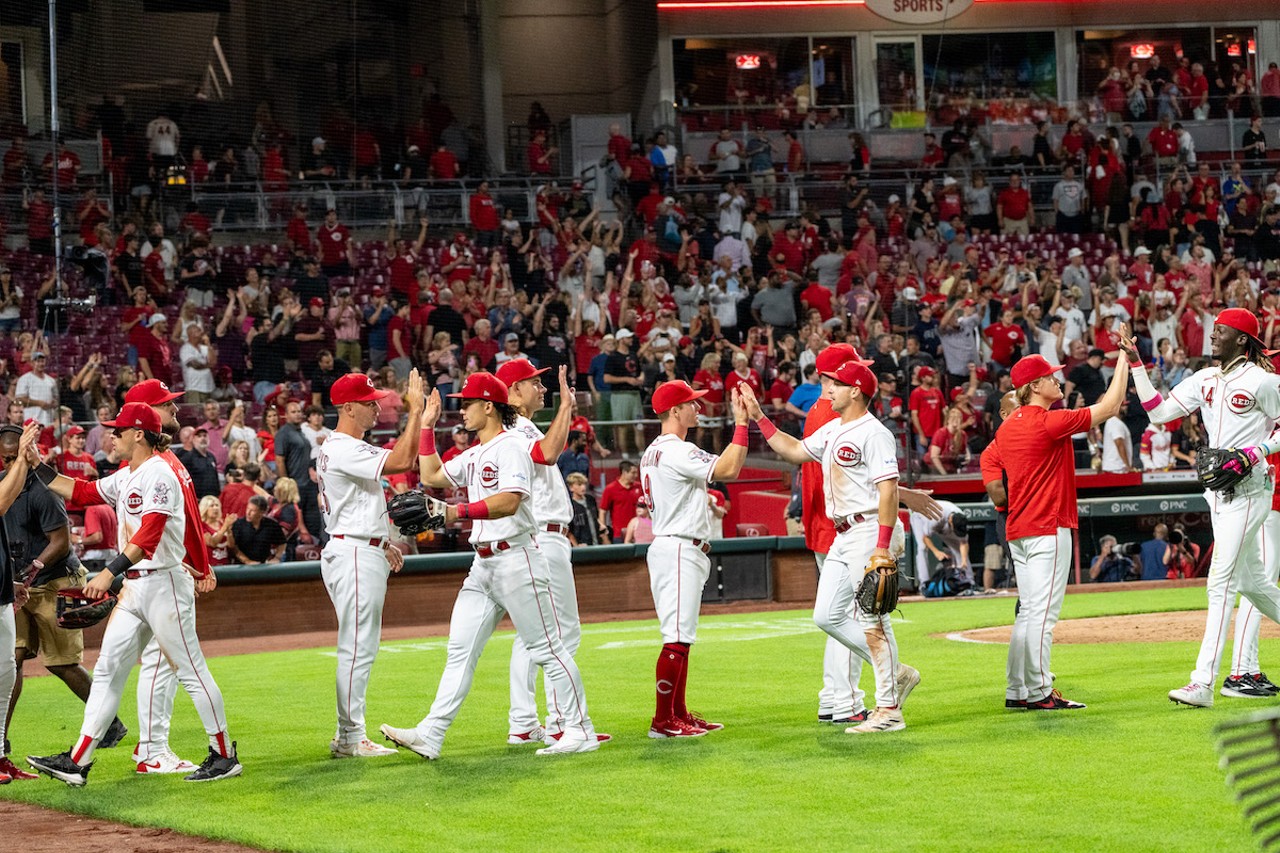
column 674, row 475
column 151, row 487
column 1239, row 409
column 501, row 464
column 855, row 456
column 550, row 494
column 351, row 496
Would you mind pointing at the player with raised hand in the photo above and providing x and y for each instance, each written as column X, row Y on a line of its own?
column 552, row 511
column 509, row 574
column 359, row 556
column 1239, row 404
column 860, row 475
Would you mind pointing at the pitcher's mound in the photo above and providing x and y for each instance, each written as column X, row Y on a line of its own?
column 1177, row 626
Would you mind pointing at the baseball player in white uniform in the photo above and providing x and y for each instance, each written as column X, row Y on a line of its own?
column 359, row 556
column 674, row 474
column 157, row 678
column 158, row 598
column 509, row 575
column 1247, row 680
column 860, row 474
column 1239, row 404
column 552, row 511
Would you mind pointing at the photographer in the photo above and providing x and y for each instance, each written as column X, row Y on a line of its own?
column 1114, row 563
column 1151, row 557
column 946, row 540
column 1182, row 555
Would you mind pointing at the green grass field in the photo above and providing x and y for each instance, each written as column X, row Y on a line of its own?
column 1132, row 772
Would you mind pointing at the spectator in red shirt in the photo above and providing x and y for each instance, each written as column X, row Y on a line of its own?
column 402, row 267
column 539, row 154
column 155, row 358
column 933, row 155
column 444, row 165
column 242, row 484
column 789, row 247
column 948, row 448
column 1005, row 337
column 461, row 441
column 90, row 211
column 1013, row 207
column 782, row 388
column 481, row 345
column 485, row 218
column 366, row 156
column 817, row 297
column 39, row 222
column 925, row 405
column 297, row 234
column 68, row 166
column 620, row 498
column 743, row 374
column 337, row 257
column 74, row 462
column 1164, row 142
column 400, row 342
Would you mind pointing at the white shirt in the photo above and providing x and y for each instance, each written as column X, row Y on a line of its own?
column 315, row 437
column 1158, row 444
column 196, row 378
column 923, row 527
column 674, row 475
column 1073, row 325
column 162, row 136
column 731, row 208
column 1048, row 343
column 1112, row 461
column 351, row 496
column 151, row 487
column 501, row 464
column 167, row 253
column 550, row 494
column 249, row 436
column 41, row 388
column 855, row 457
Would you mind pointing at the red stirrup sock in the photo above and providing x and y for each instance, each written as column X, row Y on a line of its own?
column 670, row 664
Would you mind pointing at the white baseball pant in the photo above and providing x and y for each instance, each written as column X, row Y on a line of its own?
column 1236, row 565
column 8, row 664
column 160, row 605
column 516, row 582
column 355, row 574
column 524, row 670
column 835, row 612
column 678, row 571
column 1043, row 564
column 157, row 685
column 840, row 695
column 1244, row 652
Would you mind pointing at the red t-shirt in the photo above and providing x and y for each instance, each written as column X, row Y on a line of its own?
column 158, row 356
column 406, row 338
column 138, row 329
column 1003, row 341
column 620, row 501
column 819, row 531
column 78, row 466
column 713, row 383
column 1192, row 333
column 928, row 403
column 1034, row 448
column 1014, row 203
column 444, row 166
column 818, row 297
column 779, row 390
column 299, row 233
column 751, row 380
column 333, row 243
column 401, row 276
column 484, row 213
column 1164, row 142
column 484, row 350
column 101, row 518
column 792, row 252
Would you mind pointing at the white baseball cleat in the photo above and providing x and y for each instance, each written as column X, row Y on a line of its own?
column 361, row 749
column 881, row 720
column 1196, row 695
column 568, row 746
column 907, row 680
column 165, row 762
column 411, row 740
column 538, row 735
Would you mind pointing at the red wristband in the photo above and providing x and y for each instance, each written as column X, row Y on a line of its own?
column 1135, row 365
column 427, row 442
column 885, row 536
column 767, row 429
column 740, row 435
column 475, row 509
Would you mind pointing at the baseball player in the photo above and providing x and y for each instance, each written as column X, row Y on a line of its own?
column 860, row 473
column 509, row 575
column 552, row 511
column 1247, row 680
column 1033, row 450
column 359, row 556
column 952, row 545
column 674, row 474
column 158, row 598
column 1239, row 403
column 157, row 678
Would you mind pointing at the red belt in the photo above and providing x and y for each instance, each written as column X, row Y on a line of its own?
column 134, row 574
column 845, row 526
column 491, row 548
column 562, row 529
column 375, row 542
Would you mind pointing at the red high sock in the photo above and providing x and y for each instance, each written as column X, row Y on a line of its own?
column 678, row 706
column 670, row 665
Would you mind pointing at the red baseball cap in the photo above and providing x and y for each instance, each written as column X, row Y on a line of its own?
column 855, row 374
column 316, row 302
column 354, row 388
column 152, row 392
column 518, row 370
column 75, row 429
column 136, row 416
column 1240, row 320
column 483, row 386
column 1029, row 369
column 926, row 370
column 834, row 355
column 673, row 394
column 685, row 341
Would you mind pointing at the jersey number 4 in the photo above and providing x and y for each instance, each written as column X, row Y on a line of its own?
column 1207, row 393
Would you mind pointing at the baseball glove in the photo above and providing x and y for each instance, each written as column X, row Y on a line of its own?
column 878, row 592
column 75, row 611
column 1222, row 469
column 415, row 512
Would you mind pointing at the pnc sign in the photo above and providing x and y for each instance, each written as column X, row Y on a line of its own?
column 919, row 11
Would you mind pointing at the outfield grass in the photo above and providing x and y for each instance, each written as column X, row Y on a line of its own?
column 1132, row 772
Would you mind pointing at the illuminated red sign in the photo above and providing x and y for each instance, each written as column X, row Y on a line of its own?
column 1142, row 51
column 747, row 61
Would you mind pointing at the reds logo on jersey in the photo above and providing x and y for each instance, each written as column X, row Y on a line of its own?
column 1241, row 402
column 134, row 501
column 848, row 456
column 489, row 475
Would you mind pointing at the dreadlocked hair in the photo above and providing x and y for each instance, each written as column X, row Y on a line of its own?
column 1258, row 355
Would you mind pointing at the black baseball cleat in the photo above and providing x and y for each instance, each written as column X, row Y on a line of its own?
column 1015, row 704
column 114, row 734
column 825, row 718
column 1054, row 702
column 62, row 768
column 217, row 767
column 1261, row 680
column 852, row 719
column 1243, row 687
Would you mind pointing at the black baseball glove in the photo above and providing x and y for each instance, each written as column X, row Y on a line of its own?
column 878, row 592
column 76, row 611
column 416, row 512
column 1222, row 469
